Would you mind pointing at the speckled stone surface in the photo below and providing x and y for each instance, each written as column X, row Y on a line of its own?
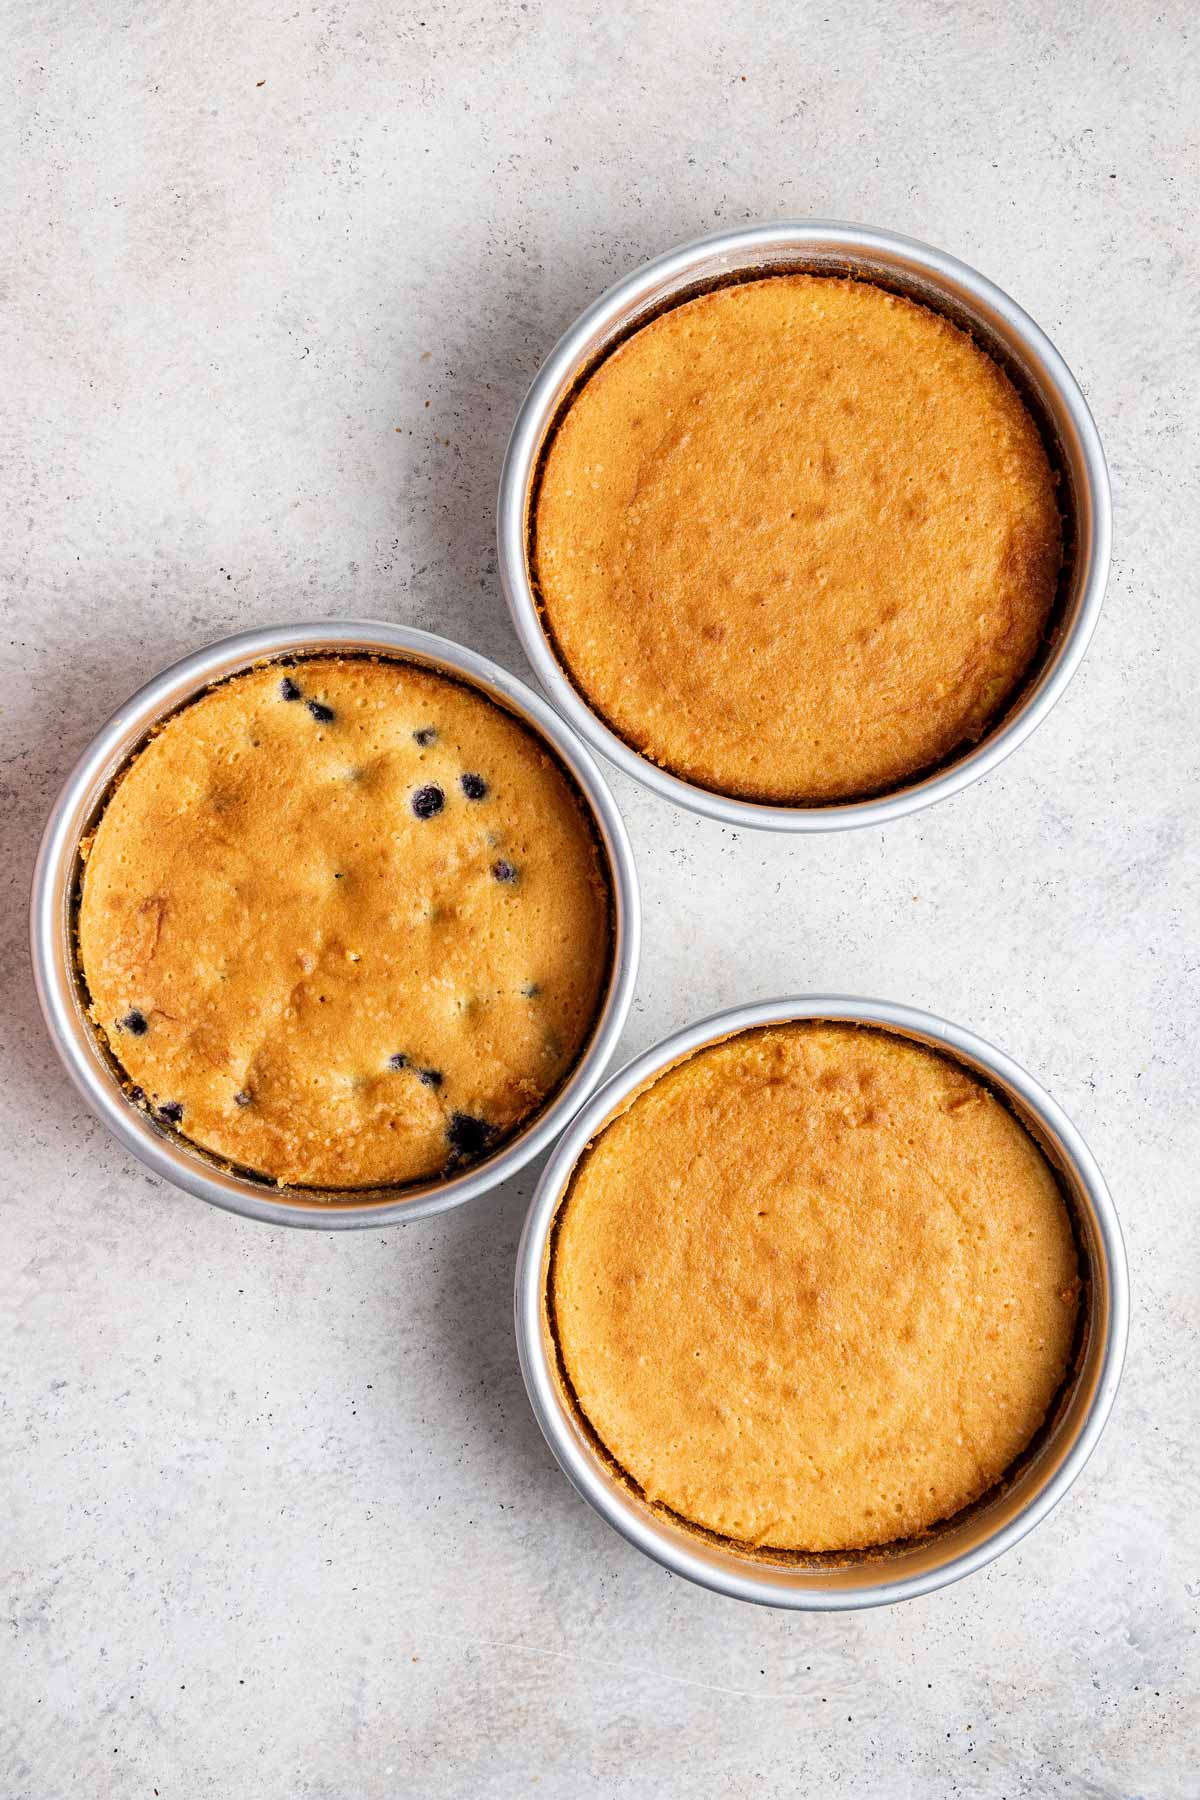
column 277, row 1520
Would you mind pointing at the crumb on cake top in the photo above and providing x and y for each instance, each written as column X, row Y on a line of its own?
column 797, row 539
column 814, row 1289
column 344, row 922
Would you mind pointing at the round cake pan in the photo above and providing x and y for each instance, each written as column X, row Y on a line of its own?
column 926, row 275
column 55, row 887
column 828, row 1583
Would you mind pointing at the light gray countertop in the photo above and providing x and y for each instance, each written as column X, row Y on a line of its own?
column 276, row 1519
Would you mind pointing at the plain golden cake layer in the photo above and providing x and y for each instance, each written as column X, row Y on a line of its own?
column 797, row 540
column 814, row 1289
column 345, row 923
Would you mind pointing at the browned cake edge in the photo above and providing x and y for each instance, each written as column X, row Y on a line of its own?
column 818, row 1559
column 101, row 1037
column 1030, row 400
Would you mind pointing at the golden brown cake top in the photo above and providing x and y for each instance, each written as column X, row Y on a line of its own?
column 814, row 1289
column 345, row 922
column 797, row 539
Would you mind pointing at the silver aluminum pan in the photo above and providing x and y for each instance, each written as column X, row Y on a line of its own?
column 972, row 1538
column 927, row 275
column 51, row 927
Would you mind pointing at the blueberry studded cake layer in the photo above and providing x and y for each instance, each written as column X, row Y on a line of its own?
column 345, row 923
